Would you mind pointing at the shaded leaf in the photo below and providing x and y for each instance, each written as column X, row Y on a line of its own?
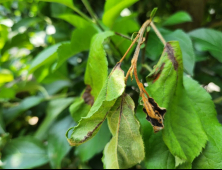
column 57, row 143
column 88, row 150
column 97, row 64
column 54, row 108
column 126, row 147
column 208, row 40
column 12, row 113
column 178, row 18
column 113, row 9
column 68, row 3
column 183, row 132
column 18, row 155
column 90, row 125
column 211, row 156
column 3, row 35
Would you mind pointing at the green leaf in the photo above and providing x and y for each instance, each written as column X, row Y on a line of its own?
column 178, row 18
column 58, row 146
column 211, row 156
column 81, row 38
column 3, row 35
column 12, row 113
column 74, row 20
column 186, row 48
column 24, row 153
column 25, row 23
column 79, row 109
column 5, row 76
column 153, row 13
column 113, row 9
column 126, row 147
column 208, row 40
column 158, row 155
column 90, row 125
column 125, row 25
column 183, row 132
column 97, row 64
column 54, row 108
column 6, row 93
column 47, row 56
column 88, row 150
column 68, row 3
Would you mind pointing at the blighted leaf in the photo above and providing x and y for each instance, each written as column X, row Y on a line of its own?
column 81, row 106
column 24, row 152
column 158, row 155
column 126, row 147
column 211, row 156
column 88, row 150
column 113, row 9
column 208, row 40
column 97, row 64
column 186, row 46
column 177, row 18
column 183, row 132
column 90, row 125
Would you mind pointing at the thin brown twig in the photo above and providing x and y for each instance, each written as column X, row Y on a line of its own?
column 158, row 33
column 134, row 41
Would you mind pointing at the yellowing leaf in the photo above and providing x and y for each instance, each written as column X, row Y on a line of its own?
column 126, row 147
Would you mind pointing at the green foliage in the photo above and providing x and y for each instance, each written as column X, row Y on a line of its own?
column 61, row 70
column 177, row 18
column 126, row 147
column 17, row 153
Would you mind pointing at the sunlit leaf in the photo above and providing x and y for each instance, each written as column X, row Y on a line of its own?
column 113, row 9
column 5, row 76
column 211, row 156
column 178, row 18
column 97, row 64
column 81, row 39
column 183, row 132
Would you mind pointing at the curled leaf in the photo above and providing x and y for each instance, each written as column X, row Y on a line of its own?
column 90, row 125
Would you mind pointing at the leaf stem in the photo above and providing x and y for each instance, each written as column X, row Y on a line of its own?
column 158, row 33
column 124, row 36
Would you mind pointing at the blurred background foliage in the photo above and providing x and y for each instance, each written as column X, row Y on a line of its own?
column 41, row 76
